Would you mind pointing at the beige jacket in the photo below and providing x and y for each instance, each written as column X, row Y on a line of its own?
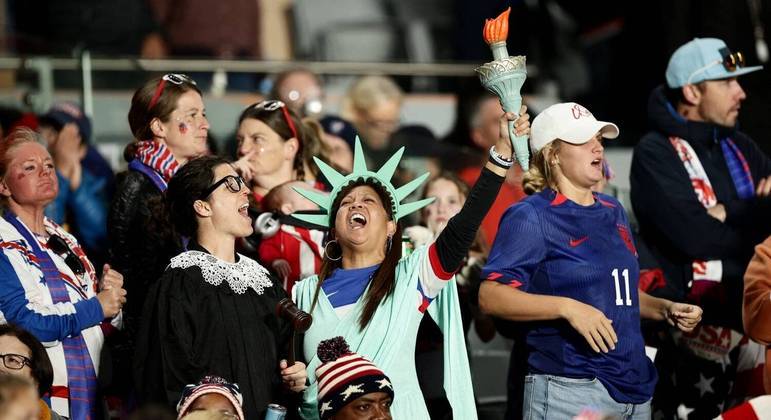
column 756, row 311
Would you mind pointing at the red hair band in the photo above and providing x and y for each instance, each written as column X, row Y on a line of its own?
column 289, row 122
column 157, row 95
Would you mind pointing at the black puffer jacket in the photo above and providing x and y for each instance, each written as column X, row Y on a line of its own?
column 142, row 240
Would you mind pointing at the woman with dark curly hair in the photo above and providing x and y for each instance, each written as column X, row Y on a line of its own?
column 213, row 310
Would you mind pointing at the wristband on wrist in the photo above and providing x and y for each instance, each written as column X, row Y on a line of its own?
column 498, row 160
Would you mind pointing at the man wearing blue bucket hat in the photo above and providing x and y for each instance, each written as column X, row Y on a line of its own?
column 700, row 190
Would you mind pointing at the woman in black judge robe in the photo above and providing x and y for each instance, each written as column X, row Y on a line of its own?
column 213, row 310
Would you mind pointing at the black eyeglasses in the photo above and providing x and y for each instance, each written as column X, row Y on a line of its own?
column 59, row 246
column 15, row 361
column 232, row 182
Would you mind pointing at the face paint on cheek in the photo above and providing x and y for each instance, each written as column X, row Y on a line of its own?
column 182, row 128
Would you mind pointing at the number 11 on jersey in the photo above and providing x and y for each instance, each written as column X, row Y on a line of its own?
column 625, row 274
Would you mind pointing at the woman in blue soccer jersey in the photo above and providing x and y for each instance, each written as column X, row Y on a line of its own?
column 565, row 262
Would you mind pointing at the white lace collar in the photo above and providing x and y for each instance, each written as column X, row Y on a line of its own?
column 244, row 274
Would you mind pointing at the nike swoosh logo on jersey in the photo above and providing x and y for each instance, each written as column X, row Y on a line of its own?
column 575, row 242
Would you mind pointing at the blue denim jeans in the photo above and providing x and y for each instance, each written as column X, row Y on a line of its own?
column 557, row 397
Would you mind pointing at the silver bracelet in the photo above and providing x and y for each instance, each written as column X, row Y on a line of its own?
column 499, row 160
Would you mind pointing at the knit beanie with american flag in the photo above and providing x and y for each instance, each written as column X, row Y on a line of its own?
column 345, row 376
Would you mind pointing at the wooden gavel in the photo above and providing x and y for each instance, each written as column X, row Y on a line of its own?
column 301, row 321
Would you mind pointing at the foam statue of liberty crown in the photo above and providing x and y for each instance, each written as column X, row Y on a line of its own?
column 360, row 173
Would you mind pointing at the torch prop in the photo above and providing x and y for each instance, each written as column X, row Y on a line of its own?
column 504, row 76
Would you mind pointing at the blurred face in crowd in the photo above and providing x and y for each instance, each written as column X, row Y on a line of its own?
column 16, row 353
column 717, row 101
column 187, row 129
column 228, row 204
column 31, row 178
column 485, row 127
column 448, row 203
column 373, row 406
column 340, row 154
column 377, row 123
column 297, row 89
column 213, row 402
column 24, row 405
column 270, row 154
column 580, row 164
column 49, row 134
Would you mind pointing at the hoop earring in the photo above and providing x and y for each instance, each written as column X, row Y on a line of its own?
column 326, row 251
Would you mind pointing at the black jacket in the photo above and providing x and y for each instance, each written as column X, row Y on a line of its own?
column 676, row 226
column 142, row 240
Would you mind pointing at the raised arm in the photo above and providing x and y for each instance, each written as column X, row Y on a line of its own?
column 453, row 243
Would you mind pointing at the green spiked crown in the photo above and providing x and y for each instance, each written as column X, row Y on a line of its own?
column 360, row 173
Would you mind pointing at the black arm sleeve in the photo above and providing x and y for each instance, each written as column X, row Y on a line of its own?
column 453, row 243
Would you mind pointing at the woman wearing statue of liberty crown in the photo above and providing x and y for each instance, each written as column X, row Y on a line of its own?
column 367, row 293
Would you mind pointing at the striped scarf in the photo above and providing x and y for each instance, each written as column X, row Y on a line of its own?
column 158, row 157
column 706, row 274
column 81, row 375
column 738, row 169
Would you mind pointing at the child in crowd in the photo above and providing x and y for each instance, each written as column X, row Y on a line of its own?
column 290, row 248
column 213, row 394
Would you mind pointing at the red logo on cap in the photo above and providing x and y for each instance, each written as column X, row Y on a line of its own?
column 579, row 111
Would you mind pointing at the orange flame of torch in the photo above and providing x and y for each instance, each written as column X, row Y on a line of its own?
column 497, row 30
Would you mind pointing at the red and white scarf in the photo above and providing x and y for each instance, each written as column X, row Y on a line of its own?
column 703, row 271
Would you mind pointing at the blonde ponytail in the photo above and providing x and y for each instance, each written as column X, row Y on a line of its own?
column 540, row 176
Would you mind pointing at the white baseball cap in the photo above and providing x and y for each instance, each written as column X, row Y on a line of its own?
column 568, row 122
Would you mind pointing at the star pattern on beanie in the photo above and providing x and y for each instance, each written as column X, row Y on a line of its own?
column 352, row 389
column 385, row 383
column 325, row 407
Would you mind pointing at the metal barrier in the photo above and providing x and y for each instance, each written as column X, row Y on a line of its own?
column 45, row 66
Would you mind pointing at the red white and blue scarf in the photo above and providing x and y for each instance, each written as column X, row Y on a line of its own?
column 156, row 161
column 707, row 274
column 81, row 374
